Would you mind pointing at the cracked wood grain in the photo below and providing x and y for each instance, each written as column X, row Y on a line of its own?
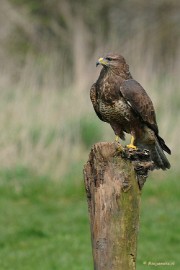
column 113, row 197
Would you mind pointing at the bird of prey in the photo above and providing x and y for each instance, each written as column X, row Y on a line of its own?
column 122, row 102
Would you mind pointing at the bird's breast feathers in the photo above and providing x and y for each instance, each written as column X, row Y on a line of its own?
column 118, row 110
column 112, row 105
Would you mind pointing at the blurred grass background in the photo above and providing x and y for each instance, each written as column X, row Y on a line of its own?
column 48, row 51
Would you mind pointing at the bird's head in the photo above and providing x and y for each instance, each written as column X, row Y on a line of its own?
column 115, row 63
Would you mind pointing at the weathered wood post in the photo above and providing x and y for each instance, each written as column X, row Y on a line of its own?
column 113, row 196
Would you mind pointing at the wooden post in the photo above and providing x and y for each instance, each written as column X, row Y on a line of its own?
column 113, row 196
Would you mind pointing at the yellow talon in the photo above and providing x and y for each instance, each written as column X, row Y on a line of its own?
column 120, row 148
column 131, row 145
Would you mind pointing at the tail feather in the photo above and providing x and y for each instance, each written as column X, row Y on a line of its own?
column 159, row 157
column 157, row 154
column 163, row 144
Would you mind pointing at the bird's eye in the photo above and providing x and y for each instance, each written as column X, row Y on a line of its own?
column 108, row 58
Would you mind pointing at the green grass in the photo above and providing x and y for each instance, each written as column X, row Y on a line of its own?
column 44, row 224
column 160, row 223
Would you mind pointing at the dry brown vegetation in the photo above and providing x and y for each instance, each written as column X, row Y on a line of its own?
column 47, row 122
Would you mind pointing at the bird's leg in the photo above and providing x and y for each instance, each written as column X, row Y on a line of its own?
column 131, row 145
column 117, row 139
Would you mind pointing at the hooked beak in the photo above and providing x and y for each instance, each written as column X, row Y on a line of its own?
column 102, row 61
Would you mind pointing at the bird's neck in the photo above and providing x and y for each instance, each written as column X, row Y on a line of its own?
column 122, row 75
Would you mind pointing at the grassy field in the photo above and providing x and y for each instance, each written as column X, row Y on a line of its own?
column 44, row 223
column 45, row 139
column 46, row 135
column 47, row 123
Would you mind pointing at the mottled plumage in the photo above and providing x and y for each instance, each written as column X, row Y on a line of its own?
column 123, row 103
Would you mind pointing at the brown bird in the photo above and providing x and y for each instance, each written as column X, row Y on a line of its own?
column 123, row 103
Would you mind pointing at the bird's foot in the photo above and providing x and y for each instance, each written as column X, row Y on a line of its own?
column 119, row 146
column 131, row 146
column 117, row 139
